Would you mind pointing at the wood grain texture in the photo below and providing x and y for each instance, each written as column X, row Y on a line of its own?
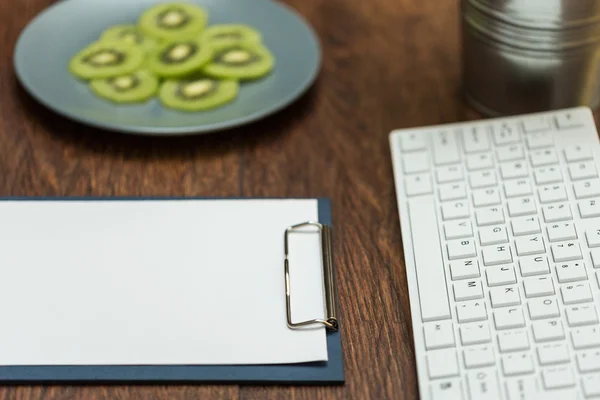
column 387, row 64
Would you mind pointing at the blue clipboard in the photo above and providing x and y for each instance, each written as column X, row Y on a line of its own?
column 318, row 373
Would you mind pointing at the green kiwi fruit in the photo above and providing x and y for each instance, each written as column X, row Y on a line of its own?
column 136, row 87
column 128, row 34
column 171, row 21
column 231, row 33
column 241, row 61
column 105, row 59
column 197, row 93
column 178, row 58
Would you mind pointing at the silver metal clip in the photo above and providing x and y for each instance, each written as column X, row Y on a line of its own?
column 331, row 320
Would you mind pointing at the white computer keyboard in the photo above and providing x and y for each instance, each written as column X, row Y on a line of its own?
column 500, row 223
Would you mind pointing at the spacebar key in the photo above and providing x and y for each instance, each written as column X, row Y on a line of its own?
column 429, row 264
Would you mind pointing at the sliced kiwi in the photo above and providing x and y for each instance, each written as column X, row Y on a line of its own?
column 180, row 57
column 136, row 87
column 128, row 34
column 231, row 33
column 173, row 21
column 197, row 93
column 240, row 61
column 105, row 59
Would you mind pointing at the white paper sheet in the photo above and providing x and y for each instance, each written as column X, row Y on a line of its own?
column 156, row 282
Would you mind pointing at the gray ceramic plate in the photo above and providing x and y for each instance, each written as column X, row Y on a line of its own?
column 45, row 47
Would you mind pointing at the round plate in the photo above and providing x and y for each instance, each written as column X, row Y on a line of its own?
column 47, row 44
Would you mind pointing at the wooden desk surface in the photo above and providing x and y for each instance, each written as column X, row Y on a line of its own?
column 387, row 64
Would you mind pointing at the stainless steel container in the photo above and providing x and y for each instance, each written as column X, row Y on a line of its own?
column 524, row 56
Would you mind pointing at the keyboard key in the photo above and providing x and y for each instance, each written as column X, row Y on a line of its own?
column 439, row 335
column 510, row 341
column 586, row 189
column 471, row 311
column 521, row 206
column 578, row 153
column 538, row 286
column 416, row 185
column 544, row 157
column 494, row 255
column 583, row 170
column 446, row 389
column 591, row 386
column 567, row 251
column 547, row 175
column 464, row 269
column 458, row 229
column 452, row 191
column 561, row 231
column 521, row 187
column 588, row 361
column 489, row 216
column 576, row 293
column 501, row 275
column 535, row 124
column 523, row 388
column 476, row 357
column 568, row 119
column 559, row 377
column 543, row 308
column 433, row 296
column 552, row 194
column 539, row 140
column 483, row 385
column 480, row 161
column 525, row 226
column 486, row 197
column 546, row 331
column 517, row 364
column 556, row 353
column 455, row 210
column 506, row 133
column 512, row 170
column 477, row 333
column 451, row 173
column 589, row 208
column 489, row 235
column 593, row 237
column 582, row 315
column 586, row 337
column 505, row 296
column 595, row 253
column 531, row 266
column 445, row 148
column 509, row 318
column 416, row 162
column 510, row 153
column 412, row 141
column 476, row 139
column 483, row 179
column 442, row 363
column 530, row 245
column 468, row 290
column 571, row 272
column 557, row 213
column 461, row 249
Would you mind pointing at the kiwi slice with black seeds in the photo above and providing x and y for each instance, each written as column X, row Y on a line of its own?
column 242, row 61
column 129, row 34
column 231, row 33
column 197, row 93
column 136, row 87
column 105, row 59
column 179, row 58
column 173, row 21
